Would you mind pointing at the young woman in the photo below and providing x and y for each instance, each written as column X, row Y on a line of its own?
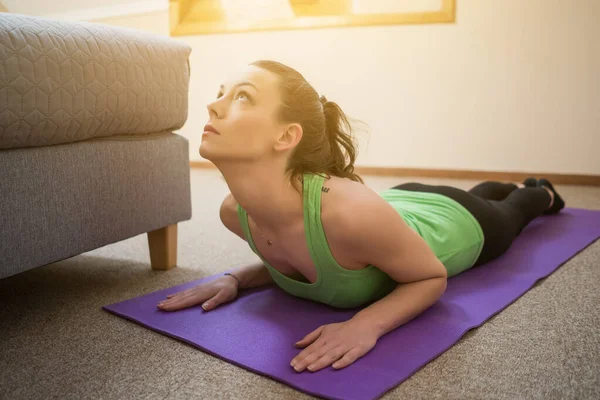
column 287, row 155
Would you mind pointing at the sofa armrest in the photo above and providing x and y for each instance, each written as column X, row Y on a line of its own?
column 63, row 82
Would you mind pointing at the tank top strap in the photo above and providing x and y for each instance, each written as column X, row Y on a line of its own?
column 315, row 234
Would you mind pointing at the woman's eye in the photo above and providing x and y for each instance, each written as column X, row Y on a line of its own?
column 242, row 94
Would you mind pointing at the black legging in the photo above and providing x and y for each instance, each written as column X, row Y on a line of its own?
column 502, row 210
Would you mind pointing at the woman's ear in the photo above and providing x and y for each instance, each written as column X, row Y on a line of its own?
column 289, row 138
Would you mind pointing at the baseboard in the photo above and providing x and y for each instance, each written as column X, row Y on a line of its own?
column 560, row 179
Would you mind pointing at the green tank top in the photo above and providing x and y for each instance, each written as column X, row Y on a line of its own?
column 449, row 229
column 459, row 243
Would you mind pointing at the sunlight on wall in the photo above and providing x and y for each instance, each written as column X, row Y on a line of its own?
column 394, row 6
column 482, row 94
column 196, row 17
column 248, row 12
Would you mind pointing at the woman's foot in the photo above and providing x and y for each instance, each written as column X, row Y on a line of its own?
column 530, row 182
column 556, row 202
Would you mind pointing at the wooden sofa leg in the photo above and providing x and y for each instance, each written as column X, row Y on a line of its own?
column 163, row 247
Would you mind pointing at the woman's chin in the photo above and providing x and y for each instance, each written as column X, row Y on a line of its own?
column 215, row 157
column 205, row 152
column 209, row 154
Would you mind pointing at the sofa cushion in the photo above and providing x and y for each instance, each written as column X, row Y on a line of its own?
column 65, row 81
column 60, row 201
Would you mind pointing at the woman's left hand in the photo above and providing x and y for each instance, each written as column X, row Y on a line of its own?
column 339, row 344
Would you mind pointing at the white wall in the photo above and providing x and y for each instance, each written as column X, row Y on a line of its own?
column 54, row 7
column 512, row 86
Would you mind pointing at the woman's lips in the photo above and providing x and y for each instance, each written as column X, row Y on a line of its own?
column 208, row 128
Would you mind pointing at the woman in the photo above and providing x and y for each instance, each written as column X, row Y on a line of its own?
column 287, row 155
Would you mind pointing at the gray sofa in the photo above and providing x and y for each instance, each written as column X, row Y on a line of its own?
column 88, row 156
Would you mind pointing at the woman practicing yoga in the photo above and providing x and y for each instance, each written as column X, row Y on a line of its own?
column 287, row 155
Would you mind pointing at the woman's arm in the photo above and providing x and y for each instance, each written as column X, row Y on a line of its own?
column 402, row 304
column 343, row 343
column 373, row 232
column 377, row 235
column 251, row 276
column 382, row 238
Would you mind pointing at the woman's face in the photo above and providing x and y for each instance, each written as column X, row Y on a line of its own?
column 245, row 115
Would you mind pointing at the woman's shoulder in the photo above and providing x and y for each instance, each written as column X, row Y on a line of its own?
column 348, row 191
column 343, row 198
column 353, row 216
column 229, row 216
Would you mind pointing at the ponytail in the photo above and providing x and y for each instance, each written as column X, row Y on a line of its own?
column 342, row 146
column 327, row 145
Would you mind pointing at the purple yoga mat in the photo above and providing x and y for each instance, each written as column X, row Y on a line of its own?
column 258, row 330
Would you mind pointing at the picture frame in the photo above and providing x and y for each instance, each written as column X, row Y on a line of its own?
column 201, row 17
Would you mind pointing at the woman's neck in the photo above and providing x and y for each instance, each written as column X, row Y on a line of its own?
column 265, row 191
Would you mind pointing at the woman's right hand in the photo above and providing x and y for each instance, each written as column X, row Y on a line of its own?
column 210, row 295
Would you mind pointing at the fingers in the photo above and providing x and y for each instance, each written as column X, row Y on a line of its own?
column 179, row 302
column 338, row 357
column 218, row 299
column 187, row 298
column 312, row 354
column 311, row 337
column 209, row 295
column 327, row 359
column 348, row 358
column 180, row 293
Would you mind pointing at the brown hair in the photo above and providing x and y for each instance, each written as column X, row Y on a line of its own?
column 327, row 145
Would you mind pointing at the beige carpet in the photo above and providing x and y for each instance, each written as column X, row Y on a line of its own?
column 56, row 342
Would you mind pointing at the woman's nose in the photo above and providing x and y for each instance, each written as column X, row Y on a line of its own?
column 212, row 109
column 216, row 109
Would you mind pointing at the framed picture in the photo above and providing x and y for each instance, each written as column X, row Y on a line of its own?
column 197, row 17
